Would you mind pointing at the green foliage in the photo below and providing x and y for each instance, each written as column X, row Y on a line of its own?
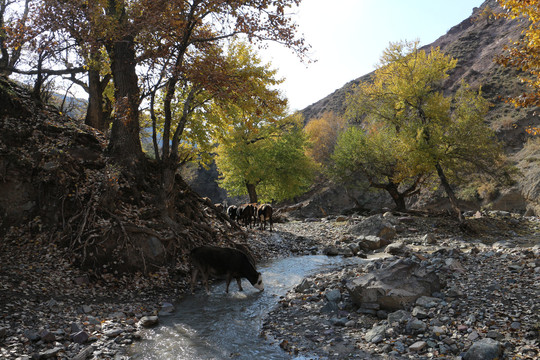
column 269, row 154
column 412, row 129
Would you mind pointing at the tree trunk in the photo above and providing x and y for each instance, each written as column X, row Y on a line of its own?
column 399, row 199
column 252, row 193
column 449, row 191
column 95, row 116
column 125, row 141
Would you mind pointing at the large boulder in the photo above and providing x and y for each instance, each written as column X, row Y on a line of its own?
column 484, row 349
column 376, row 225
column 394, row 287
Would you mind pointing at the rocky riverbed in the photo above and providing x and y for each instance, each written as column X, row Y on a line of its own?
column 487, row 308
column 490, row 269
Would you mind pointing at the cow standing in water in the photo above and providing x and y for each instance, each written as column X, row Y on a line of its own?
column 264, row 213
column 223, row 261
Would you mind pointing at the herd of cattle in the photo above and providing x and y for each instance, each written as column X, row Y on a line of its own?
column 251, row 214
column 231, row 263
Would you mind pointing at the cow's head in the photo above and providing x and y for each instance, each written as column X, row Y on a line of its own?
column 259, row 284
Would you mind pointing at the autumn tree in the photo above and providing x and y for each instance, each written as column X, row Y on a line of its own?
column 164, row 41
column 323, row 133
column 268, row 164
column 439, row 134
column 524, row 53
column 10, row 55
column 373, row 156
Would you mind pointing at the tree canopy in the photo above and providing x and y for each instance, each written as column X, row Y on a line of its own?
column 411, row 129
column 323, row 133
column 268, row 164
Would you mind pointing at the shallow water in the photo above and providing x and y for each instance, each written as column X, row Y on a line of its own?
column 227, row 326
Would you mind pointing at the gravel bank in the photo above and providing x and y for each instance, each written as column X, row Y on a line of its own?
column 491, row 297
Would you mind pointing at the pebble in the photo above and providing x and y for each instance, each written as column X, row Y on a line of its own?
column 418, row 346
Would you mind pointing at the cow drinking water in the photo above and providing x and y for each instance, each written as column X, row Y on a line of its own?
column 223, row 261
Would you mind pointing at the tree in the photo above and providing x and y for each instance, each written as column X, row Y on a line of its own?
column 444, row 135
column 524, row 54
column 323, row 133
column 9, row 56
column 169, row 39
column 373, row 156
column 268, row 164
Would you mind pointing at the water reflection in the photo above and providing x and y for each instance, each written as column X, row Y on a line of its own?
column 227, row 326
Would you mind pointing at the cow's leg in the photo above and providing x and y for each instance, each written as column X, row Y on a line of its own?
column 229, row 278
column 271, row 223
column 239, row 282
column 205, row 281
column 194, row 278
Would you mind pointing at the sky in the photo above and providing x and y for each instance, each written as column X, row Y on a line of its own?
column 347, row 38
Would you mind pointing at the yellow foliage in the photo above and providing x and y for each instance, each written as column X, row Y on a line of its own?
column 323, row 133
column 525, row 53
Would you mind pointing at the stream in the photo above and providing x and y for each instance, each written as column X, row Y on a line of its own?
column 227, row 326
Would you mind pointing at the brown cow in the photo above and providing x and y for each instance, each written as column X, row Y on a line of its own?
column 246, row 213
column 224, row 261
column 264, row 213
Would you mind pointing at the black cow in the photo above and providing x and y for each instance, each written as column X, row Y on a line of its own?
column 223, row 261
column 232, row 212
column 264, row 212
column 246, row 214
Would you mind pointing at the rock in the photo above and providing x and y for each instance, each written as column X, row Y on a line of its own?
column 394, row 287
column 166, row 309
column 3, row 332
column 31, row 335
column 148, row 321
column 47, row 336
column 339, row 321
column 333, row 295
column 485, row 349
column 438, row 330
column 418, row 346
column 397, row 248
column 113, row 332
column 427, row 301
column 50, row 353
column 376, row 334
column 75, row 328
column 370, row 242
column 85, row 353
column 419, row 312
column 416, row 326
column 304, row 285
column 454, row 265
column 429, row 239
column 399, row 316
column 80, row 338
column 331, row 250
column 377, row 226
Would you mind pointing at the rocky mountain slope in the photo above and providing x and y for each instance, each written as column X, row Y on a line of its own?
column 475, row 43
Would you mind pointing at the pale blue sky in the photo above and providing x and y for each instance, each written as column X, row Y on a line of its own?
column 348, row 37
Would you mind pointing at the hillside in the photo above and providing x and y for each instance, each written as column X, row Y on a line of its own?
column 475, row 42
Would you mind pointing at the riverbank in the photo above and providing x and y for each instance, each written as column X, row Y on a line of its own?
column 49, row 309
column 491, row 299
